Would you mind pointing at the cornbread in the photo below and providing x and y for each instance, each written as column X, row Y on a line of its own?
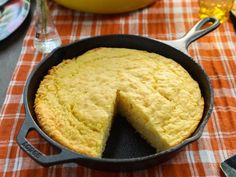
column 77, row 99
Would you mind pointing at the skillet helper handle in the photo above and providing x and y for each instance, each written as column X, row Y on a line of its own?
column 195, row 33
column 46, row 160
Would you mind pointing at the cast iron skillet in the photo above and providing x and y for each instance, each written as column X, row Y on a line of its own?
column 125, row 150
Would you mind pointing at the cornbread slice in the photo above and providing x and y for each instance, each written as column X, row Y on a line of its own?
column 175, row 105
column 77, row 100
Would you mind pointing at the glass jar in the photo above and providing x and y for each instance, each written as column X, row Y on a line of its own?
column 215, row 8
column 46, row 36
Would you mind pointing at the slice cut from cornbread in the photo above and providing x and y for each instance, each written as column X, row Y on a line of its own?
column 172, row 99
column 77, row 100
column 162, row 130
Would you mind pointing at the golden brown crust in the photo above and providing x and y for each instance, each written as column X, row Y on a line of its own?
column 76, row 101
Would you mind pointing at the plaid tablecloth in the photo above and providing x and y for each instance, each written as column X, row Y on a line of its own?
column 166, row 19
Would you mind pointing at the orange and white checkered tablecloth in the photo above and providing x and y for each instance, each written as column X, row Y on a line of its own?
column 166, row 19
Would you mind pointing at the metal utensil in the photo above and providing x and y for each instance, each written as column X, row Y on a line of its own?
column 229, row 167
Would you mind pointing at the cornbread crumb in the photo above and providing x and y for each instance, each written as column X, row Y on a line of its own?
column 77, row 100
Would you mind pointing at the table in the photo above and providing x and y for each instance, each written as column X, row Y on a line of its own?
column 166, row 19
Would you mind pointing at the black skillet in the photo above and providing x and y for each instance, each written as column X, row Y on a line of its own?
column 125, row 149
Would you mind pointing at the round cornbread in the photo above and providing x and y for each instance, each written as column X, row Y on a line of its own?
column 77, row 99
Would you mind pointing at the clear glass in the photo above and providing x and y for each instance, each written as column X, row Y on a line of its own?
column 215, row 8
column 46, row 36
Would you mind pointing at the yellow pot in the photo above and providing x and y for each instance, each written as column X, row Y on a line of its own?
column 105, row 6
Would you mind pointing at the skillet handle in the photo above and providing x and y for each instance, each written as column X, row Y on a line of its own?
column 196, row 32
column 46, row 160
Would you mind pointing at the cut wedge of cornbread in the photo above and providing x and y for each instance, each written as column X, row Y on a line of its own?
column 77, row 100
